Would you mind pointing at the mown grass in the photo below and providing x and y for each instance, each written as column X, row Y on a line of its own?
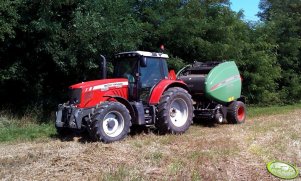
column 218, row 152
column 28, row 128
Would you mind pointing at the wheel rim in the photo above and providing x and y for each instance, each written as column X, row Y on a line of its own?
column 220, row 119
column 113, row 124
column 178, row 112
column 241, row 113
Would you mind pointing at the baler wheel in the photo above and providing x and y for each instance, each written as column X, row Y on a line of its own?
column 110, row 122
column 236, row 112
column 175, row 111
column 219, row 118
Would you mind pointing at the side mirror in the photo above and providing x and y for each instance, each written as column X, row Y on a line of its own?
column 143, row 62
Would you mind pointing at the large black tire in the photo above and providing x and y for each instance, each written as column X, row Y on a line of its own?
column 110, row 122
column 63, row 131
column 237, row 112
column 175, row 111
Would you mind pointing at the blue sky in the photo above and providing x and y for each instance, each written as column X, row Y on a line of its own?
column 250, row 8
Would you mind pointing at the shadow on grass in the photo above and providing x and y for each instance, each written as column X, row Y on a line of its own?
column 68, row 135
column 141, row 130
column 209, row 123
column 71, row 135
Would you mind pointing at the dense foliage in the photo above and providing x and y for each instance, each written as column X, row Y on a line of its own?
column 45, row 46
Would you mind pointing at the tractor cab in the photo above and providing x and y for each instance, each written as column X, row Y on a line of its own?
column 143, row 71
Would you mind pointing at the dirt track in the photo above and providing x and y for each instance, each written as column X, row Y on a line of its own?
column 221, row 152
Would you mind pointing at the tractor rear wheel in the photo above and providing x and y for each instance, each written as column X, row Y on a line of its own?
column 236, row 112
column 110, row 122
column 175, row 111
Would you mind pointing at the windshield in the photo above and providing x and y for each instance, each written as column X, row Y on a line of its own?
column 151, row 74
column 125, row 67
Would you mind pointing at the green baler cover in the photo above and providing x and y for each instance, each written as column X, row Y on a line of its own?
column 223, row 83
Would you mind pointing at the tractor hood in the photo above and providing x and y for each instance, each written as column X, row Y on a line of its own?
column 91, row 93
column 104, row 84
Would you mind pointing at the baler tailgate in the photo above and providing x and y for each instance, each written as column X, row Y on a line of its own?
column 223, row 83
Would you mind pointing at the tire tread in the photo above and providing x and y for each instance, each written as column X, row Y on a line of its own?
column 163, row 124
column 101, row 111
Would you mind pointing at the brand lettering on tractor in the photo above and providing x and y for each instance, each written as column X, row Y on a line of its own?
column 104, row 87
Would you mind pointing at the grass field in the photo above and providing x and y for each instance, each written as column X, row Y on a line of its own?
column 24, row 129
column 205, row 152
column 27, row 129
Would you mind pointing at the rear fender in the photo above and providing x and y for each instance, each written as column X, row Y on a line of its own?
column 163, row 85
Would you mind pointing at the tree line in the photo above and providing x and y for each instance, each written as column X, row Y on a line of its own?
column 45, row 46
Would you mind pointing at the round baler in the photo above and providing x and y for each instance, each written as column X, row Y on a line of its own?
column 216, row 89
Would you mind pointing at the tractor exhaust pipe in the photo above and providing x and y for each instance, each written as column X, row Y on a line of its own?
column 103, row 67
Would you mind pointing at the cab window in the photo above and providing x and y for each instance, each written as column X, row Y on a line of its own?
column 152, row 73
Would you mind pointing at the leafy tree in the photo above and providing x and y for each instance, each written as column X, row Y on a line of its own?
column 284, row 20
column 57, row 43
column 8, row 18
column 210, row 30
column 45, row 46
column 260, row 69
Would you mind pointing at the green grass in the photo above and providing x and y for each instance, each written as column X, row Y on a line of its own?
column 18, row 130
column 254, row 111
column 12, row 130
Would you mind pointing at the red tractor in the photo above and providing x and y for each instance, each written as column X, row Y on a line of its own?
column 143, row 92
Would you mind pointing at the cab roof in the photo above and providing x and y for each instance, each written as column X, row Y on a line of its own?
column 142, row 53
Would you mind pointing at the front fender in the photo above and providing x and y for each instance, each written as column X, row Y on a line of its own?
column 163, row 85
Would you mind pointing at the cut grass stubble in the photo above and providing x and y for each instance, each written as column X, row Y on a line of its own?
column 222, row 152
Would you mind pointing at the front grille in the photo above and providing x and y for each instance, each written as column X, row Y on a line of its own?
column 75, row 96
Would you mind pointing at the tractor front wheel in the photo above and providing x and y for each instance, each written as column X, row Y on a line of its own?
column 175, row 111
column 111, row 122
column 236, row 112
